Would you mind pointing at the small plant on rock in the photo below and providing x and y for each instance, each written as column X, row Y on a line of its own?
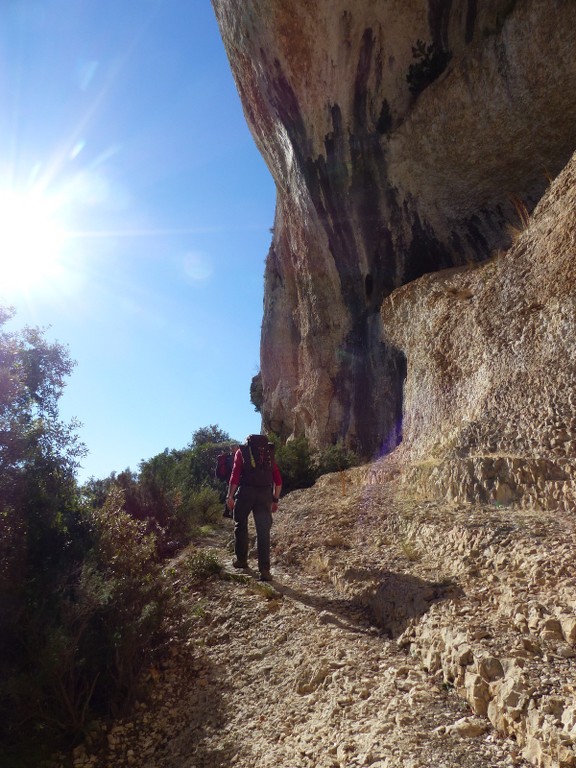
column 410, row 550
column 201, row 565
column 523, row 222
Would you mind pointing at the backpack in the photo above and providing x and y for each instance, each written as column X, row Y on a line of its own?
column 223, row 469
column 258, row 460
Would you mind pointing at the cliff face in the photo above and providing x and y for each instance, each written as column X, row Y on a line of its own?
column 388, row 165
column 490, row 408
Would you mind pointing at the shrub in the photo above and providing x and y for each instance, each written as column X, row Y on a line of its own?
column 257, row 392
column 201, row 565
column 83, row 647
column 128, row 600
column 202, row 506
column 301, row 467
column 296, row 464
column 335, row 458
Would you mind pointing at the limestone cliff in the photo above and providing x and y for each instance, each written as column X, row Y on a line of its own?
column 404, row 137
column 490, row 409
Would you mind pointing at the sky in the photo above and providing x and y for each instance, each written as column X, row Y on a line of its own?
column 135, row 218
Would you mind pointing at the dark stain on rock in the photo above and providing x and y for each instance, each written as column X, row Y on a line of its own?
column 476, row 240
column 384, row 122
column 368, row 286
column 438, row 19
column 471, row 14
column 359, row 210
column 362, row 77
column 424, row 252
column 370, row 385
column 350, row 209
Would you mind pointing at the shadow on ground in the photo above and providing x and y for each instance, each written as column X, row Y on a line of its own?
column 383, row 600
column 346, row 614
column 400, row 597
column 201, row 713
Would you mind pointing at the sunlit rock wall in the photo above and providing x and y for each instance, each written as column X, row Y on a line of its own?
column 384, row 173
column 490, row 408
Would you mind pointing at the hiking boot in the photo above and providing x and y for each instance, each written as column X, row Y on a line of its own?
column 239, row 563
column 265, row 576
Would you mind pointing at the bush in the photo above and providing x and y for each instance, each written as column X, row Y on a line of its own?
column 202, row 506
column 301, row 467
column 128, row 599
column 201, row 565
column 257, row 392
column 81, row 650
column 296, row 464
column 335, row 458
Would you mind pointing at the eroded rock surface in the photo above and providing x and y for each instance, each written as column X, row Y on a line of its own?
column 483, row 597
column 489, row 413
column 384, row 173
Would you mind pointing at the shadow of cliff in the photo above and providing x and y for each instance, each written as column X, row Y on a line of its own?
column 383, row 601
column 348, row 615
column 400, row 598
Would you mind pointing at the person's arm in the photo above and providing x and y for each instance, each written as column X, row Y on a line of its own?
column 277, row 487
column 234, row 478
column 230, row 498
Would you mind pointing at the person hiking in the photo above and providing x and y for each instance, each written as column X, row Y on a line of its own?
column 255, row 486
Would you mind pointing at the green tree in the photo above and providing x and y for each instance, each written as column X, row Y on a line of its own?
column 95, row 492
column 257, row 392
column 178, row 489
column 39, row 454
column 209, row 434
column 157, row 486
column 42, row 533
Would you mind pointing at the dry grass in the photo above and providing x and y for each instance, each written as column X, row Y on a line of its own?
column 336, row 541
column 318, row 565
column 410, row 550
column 515, row 230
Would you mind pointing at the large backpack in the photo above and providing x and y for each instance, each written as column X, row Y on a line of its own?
column 223, row 469
column 258, row 460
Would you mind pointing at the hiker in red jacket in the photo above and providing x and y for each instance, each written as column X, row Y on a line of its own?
column 255, row 486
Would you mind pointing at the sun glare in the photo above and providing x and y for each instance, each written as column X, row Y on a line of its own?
column 31, row 240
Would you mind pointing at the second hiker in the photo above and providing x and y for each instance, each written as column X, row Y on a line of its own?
column 255, row 487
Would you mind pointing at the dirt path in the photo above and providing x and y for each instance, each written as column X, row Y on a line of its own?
column 292, row 675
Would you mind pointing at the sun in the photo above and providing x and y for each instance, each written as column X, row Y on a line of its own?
column 31, row 240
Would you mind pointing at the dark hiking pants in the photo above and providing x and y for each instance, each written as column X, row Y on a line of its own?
column 259, row 502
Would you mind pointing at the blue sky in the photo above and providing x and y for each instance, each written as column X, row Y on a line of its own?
column 135, row 217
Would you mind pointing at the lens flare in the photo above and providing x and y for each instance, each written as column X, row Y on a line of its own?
column 31, row 239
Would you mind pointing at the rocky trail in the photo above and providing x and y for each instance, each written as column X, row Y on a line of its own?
column 395, row 633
